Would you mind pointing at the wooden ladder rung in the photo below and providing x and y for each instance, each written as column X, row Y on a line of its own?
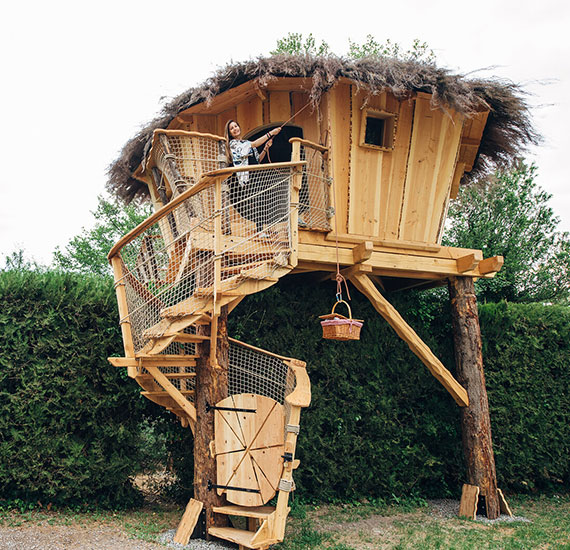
column 259, row 512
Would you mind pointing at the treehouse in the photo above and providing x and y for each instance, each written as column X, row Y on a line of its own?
column 357, row 182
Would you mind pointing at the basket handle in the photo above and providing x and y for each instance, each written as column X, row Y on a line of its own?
column 346, row 304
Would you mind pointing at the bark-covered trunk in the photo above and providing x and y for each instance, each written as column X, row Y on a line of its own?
column 211, row 387
column 475, row 420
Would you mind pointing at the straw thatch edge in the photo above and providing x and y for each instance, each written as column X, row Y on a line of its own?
column 507, row 134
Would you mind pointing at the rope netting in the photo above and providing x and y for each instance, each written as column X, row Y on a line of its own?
column 315, row 210
column 227, row 232
column 182, row 158
column 250, row 371
column 178, row 263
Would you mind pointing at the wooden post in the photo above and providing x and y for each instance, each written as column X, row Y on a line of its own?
column 211, row 387
column 475, row 420
column 126, row 330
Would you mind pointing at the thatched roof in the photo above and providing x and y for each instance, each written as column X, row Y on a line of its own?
column 507, row 133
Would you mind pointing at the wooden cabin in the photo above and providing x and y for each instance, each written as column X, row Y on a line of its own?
column 358, row 182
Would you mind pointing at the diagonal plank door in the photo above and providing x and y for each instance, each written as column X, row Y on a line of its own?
column 249, row 448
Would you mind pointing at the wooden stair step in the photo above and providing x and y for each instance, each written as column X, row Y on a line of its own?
column 238, row 268
column 209, row 291
column 189, row 338
column 163, row 399
column 239, row 536
column 258, row 512
column 164, row 393
column 155, row 361
column 169, row 375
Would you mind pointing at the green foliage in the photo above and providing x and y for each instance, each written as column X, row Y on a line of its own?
column 527, row 358
column 18, row 261
column 419, row 51
column 380, row 427
column 509, row 215
column 293, row 44
column 68, row 421
column 87, row 252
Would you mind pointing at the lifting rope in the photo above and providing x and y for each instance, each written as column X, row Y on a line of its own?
column 267, row 146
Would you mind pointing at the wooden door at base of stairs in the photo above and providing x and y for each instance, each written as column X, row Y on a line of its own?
column 249, row 443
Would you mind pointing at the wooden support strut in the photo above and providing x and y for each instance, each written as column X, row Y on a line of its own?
column 363, row 283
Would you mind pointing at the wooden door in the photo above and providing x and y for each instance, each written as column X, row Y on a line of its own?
column 249, row 442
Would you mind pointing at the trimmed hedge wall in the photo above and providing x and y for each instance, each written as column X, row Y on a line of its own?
column 68, row 421
column 379, row 423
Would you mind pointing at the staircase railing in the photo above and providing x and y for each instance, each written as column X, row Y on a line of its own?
column 233, row 225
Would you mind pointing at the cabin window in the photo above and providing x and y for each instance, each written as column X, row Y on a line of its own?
column 378, row 129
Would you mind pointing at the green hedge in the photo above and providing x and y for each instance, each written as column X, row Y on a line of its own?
column 68, row 421
column 379, row 423
column 527, row 367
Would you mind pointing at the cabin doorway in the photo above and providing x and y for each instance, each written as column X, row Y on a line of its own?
column 280, row 151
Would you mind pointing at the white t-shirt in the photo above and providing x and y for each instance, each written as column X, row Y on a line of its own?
column 241, row 149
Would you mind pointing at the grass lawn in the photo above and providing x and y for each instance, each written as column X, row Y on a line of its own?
column 353, row 526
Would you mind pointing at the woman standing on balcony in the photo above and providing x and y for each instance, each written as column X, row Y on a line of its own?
column 241, row 152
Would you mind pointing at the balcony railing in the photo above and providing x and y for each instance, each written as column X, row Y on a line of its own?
column 315, row 209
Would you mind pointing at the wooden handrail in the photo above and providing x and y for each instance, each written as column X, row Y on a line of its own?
column 311, row 144
column 207, row 179
column 186, row 133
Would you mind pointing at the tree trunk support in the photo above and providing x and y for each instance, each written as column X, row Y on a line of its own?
column 475, row 419
column 211, row 387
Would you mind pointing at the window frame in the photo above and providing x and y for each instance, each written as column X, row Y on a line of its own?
column 390, row 125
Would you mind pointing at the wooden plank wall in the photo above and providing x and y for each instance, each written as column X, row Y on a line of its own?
column 268, row 107
column 431, row 165
column 339, row 125
column 377, row 177
column 400, row 194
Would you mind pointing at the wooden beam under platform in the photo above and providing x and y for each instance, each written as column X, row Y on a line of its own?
column 363, row 283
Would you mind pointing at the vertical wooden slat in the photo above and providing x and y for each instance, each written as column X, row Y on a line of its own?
column 392, row 198
column 250, row 115
column 279, row 107
column 294, row 216
column 126, row 330
column 339, row 131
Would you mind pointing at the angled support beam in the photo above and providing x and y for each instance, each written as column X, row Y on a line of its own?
column 169, row 388
column 353, row 269
column 363, row 283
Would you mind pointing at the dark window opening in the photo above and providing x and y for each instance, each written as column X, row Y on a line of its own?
column 378, row 129
column 281, row 149
column 375, row 128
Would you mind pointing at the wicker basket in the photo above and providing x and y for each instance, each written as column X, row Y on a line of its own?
column 338, row 327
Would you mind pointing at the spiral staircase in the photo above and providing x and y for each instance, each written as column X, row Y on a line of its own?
column 214, row 242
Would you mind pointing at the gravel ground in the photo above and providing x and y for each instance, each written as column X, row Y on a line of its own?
column 74, row 537
column 447, row 508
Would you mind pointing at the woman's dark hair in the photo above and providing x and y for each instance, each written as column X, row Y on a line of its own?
column 228, row 139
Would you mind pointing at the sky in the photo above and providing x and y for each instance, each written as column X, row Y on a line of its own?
column 80, row 79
